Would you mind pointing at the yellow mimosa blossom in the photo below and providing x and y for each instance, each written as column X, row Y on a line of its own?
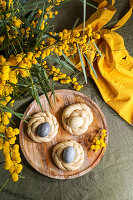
column 15, row 177
column 1, row 143
column 2, row 39
column 99, row 141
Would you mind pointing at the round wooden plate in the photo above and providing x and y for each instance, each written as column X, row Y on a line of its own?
column 39, row 154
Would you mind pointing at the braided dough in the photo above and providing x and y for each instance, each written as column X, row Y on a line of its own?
column 76, row 118
column 39, row 118
column 58, row 151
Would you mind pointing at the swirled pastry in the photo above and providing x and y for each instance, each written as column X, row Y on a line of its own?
column 58, row 155
column 76, row 118
column 37, row 120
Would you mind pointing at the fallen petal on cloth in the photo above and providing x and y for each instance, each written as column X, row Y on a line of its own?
column 115, row 68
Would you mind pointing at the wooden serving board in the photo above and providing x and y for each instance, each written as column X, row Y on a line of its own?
column 39, row 155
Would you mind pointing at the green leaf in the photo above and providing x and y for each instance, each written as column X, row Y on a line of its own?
column 21, row 176
column 9, row 43
column 43, row 88
column 21, row 91
column 78, row 74
column 62, row 63
column 34, row 92
column 89, row 4
column 21, row 7
column 31, row 16
column 7, row 4
column 14, row 49
column 14, row 113
column 1, row 135
column 24, row 20
column 91, row 66
column 4, row 184
column 10, row 110
column 65, row 64
column 6, row 35
column 69, row 61
column 88, row 42
column 105, row 26
column 41, row 18
column 47, row 82
column 53, row 90
column 45, row 78
column 84, row 16
column 38, row 40
column 34, row 4
column 75, row 24
column 82, row 63
column 37, row 98
column 9, row 11
column 13, row 27
column 98, row 50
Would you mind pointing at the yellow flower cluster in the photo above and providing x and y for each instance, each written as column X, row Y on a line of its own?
column 12, row 33
column 55, row 2
column 9, row 74
column 72, row 38
column 11, row 152
column 2, row 39
column 69, row 40
column 2, row 128
column 99, row 142
column 62, row 77
column 3, row 5
column 48, row 14
column 16, row 22
column 26, row 63
column 1, row 143
column 10, row 132
column 4, row 118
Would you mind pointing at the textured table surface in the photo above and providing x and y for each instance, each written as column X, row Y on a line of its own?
column 112, row 178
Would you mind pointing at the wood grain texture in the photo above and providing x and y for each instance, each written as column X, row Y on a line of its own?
column 39, row 155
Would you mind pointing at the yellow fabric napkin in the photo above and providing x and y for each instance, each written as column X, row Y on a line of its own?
column 115, row 68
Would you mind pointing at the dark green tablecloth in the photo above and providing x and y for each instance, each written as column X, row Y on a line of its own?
column 112, row 178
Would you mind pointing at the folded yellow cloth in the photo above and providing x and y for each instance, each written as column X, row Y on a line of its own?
column 115, row 68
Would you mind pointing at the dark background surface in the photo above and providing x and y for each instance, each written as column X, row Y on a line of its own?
column 112, row 178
